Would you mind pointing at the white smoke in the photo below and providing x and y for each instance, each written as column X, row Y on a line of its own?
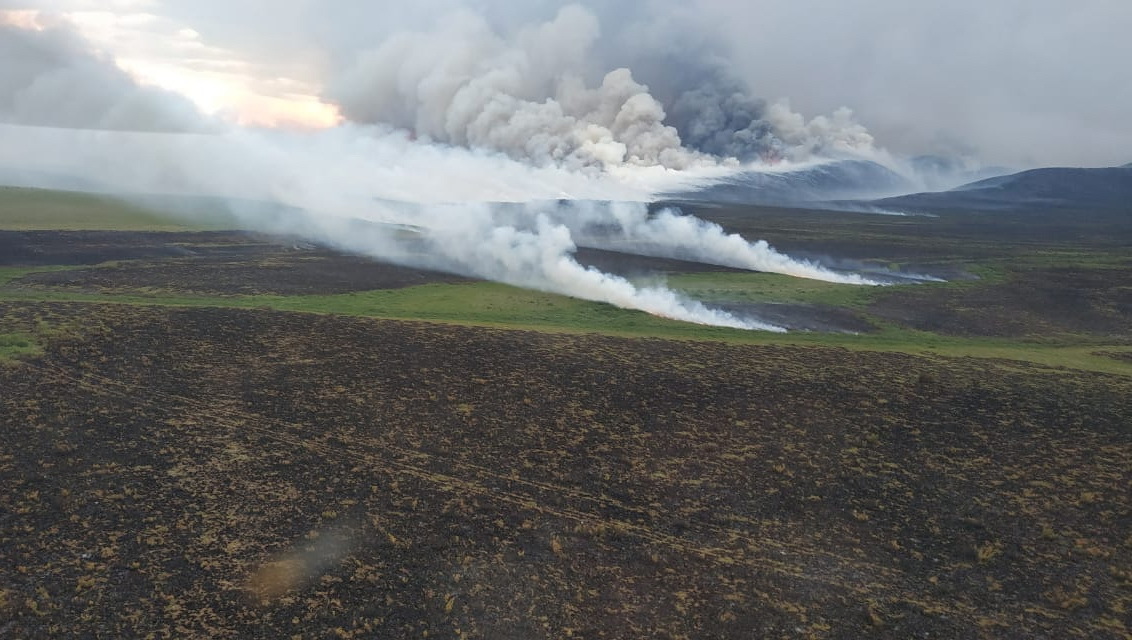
column 542, row 258
column 671, row 234
column 822, row 134
column 464, row 119
column 335, row 195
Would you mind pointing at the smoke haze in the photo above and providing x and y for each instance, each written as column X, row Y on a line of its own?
column 51, row 77
column 452, row 106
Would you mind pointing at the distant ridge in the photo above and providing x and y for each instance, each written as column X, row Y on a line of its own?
column 37, row 179
column 1108, row 189
column 839, row 180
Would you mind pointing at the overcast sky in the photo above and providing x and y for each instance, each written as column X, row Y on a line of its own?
column 1015, row 82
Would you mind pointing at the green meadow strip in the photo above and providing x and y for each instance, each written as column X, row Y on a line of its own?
column 503, row 306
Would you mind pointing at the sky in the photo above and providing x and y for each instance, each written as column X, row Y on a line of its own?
column 1015, row 82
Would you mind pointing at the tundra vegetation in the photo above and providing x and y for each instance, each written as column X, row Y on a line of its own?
column 215, row 433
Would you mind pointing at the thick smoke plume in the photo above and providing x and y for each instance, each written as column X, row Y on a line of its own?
column 534, row 96
column 445, row 126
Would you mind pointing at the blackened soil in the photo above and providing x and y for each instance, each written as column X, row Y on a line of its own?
column 282, row 273
column 1032, row 302
column 207, row 472
column 236, row 263
column 629, row 265
column 39, row 248
column 803, row 317
column 1117, row 355
column 210, row 263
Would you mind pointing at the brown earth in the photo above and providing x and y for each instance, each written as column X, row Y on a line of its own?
column 220, row 473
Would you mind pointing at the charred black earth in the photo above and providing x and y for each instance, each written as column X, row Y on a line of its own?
column 216, row 472
column 208, row 472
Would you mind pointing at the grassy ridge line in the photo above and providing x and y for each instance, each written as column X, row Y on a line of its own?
column 23, row 209
column 496, row 305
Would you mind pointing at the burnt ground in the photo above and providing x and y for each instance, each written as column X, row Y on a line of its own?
column 940, row 240
column 1061, row 272
column 802, row 317
column 222, row 473
column 202, row 263
column 1031, row 302
column 630, row 265
column 39, row 248
column 1117, row 355
column 238, row 263
column 298, row 272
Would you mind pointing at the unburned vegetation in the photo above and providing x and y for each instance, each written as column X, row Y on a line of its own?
column 192, row 472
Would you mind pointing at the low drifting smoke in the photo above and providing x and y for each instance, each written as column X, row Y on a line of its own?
column 669, row 233
column 542, row 258
column 442, row 127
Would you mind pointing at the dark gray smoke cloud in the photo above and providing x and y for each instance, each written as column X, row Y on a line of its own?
column 715, row 112
column 556, row 92
column 51, row 77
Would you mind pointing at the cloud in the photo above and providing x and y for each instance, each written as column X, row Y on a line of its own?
column 51, row 77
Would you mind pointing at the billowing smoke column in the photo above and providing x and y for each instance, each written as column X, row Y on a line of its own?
column 715, row 113
column 460, row 115
column 463, row 84
column 530, row 97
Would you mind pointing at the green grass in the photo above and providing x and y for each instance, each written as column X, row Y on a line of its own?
column 37, row 209
column 497, row 305
column 8, row 274
column 15, row 345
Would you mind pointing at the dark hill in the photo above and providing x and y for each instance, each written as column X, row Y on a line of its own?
column 1108, row 189
column 840, row 180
